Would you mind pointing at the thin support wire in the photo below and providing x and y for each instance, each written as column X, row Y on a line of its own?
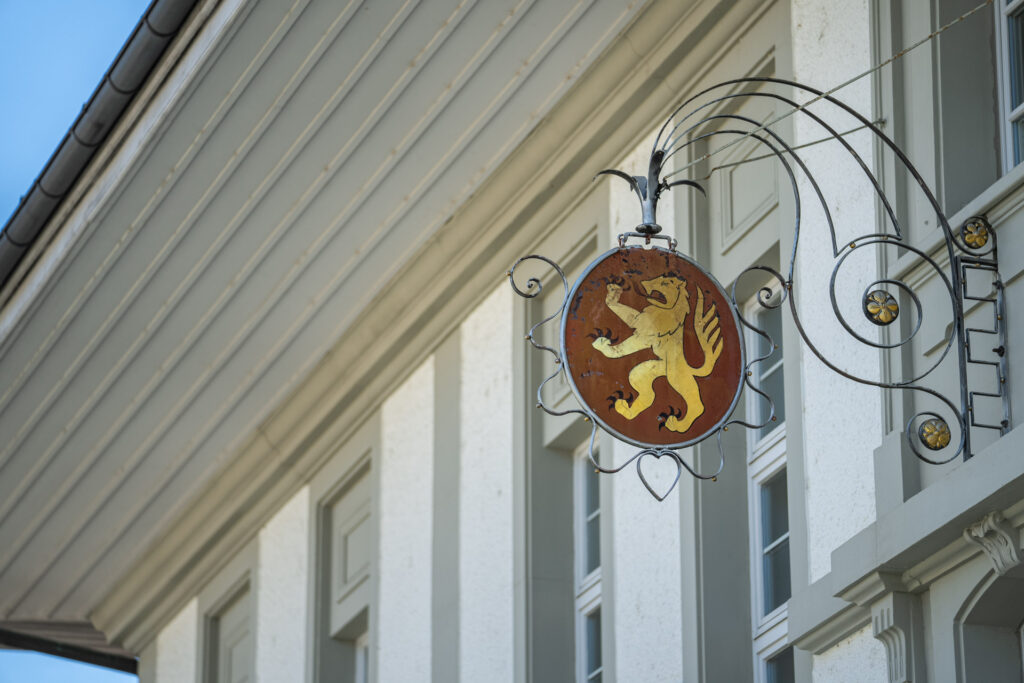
column 827, row 93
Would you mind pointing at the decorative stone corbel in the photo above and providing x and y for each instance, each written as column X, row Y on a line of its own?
column 998, row 539
column 896, row 620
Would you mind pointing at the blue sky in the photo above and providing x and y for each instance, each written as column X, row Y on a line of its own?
column 19, row 667
column 52, row 56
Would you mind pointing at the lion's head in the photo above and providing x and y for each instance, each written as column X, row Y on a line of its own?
column 667, row 291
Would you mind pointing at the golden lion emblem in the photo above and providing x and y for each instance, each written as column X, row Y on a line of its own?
column 660, row 327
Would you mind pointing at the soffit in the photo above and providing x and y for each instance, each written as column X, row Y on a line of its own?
column 667, row 51
column 319, row 146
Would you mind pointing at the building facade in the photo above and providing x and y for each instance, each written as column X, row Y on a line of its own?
column 268, row 413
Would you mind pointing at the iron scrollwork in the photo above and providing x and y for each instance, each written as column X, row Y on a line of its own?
column 935, row 436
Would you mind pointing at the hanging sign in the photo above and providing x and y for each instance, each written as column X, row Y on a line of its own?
column 652, row 347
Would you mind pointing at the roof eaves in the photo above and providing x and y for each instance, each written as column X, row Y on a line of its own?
column 126, row 75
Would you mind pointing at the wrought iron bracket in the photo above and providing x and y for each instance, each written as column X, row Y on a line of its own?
column 935, row 435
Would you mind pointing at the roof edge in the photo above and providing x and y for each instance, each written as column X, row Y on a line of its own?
column 127, row 74
column 21, row 640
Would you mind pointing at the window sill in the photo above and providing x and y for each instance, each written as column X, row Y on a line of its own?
column 990, row 199
column 771, row 620
column 772, row 636
column 1001, row 200
column 768, row 446
column 588, row 582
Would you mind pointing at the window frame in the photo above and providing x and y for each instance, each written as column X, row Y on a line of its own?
column 237, row 579
column 332, row 649
column 766, row 458
column 761, row 468
column 361, row 645
column 757, row 443
column 584, row 581
column 1007, row 114
column 587, row 585
column 582, row 674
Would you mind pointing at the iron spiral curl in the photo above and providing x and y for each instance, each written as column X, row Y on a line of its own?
column 975, row 239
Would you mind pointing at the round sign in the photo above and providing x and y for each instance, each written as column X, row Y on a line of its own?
column 652, row 347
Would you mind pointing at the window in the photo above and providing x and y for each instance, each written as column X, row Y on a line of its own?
column 590, row 514
column 362, row 667
column 230, row 642
column 587, row 525
column 768, row 503
column 780, row 667
column 768, row 374
column 592, row 666
column 226, row 603
column 988, row 629
column 775, row 587
column 1020, row 646
column 947, row 104
column 349, row 525
column 1011, row 32
column 344, row 581
column 351, row 551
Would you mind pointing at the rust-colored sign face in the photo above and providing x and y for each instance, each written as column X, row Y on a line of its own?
column 653, row 347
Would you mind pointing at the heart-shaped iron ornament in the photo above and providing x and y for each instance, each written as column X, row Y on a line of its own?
column 657, row 455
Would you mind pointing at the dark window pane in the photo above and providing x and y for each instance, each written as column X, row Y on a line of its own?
column 1015, row 37
column 769, row 371
column 593, row 544
column 1018, row 141
column 770, row 322
column 593, row 642
column 780, row 667
column 776, row 576
column 773, row 386
column 774, row 509
column 591, row 485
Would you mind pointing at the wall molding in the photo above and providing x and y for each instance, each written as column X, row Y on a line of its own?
column 896, row 620
column 998, row 539
column 914, row 544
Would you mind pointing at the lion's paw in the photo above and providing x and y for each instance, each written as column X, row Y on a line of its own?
column 671, row 421
column 620, row 402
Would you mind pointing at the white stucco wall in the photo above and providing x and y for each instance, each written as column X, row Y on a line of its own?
column 857, row 659
column 281, row 600
column 646, row 595
column 841, row 419
column 176, row 646
column 147, row 663
column 406, row 530
column 486, row 625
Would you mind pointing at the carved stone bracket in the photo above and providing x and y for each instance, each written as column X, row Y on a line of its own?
column 998, row 539
column 896, row 620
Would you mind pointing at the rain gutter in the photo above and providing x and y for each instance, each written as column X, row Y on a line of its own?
column 25, row 641
column 133, row 65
